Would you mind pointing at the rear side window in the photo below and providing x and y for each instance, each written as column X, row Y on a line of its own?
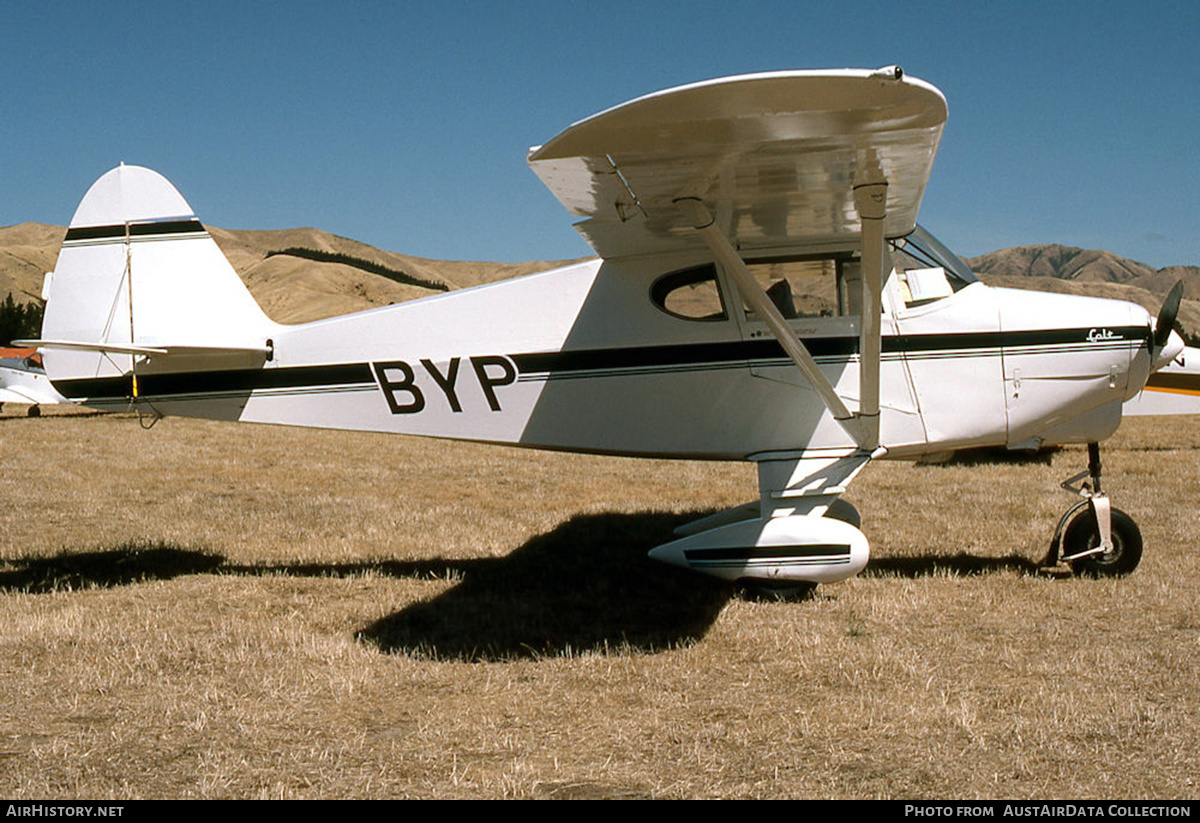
column 691, row 294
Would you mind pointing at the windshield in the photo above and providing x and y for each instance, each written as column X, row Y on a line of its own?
column 926, row 251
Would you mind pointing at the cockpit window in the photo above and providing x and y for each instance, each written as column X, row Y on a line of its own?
column 926, row 269
column 691, row 294
column 809, row 286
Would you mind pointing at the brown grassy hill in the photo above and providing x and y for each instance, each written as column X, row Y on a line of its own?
column 306, row 274
column 1068, row 270
column 295, row 274
column 27, row 252
column 1062, row 262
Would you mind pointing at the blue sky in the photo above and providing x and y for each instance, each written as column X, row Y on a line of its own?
column 405, row 125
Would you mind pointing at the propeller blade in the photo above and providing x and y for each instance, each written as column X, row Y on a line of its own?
column 1166, row 316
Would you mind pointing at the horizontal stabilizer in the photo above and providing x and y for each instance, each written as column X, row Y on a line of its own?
column 124, row 348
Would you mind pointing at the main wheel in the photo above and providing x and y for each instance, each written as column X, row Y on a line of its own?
column 1082, row 534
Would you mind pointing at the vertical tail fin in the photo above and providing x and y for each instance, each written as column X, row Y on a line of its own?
column 138, row 272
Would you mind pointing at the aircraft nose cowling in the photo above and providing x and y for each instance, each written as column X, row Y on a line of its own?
column 1069, row 361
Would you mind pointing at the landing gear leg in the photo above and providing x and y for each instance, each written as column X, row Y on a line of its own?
column 1092, row 537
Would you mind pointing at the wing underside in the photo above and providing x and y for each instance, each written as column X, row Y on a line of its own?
column 774, row 156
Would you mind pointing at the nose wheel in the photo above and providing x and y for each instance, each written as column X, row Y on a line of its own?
column 1093, row 538
column 1082, row 550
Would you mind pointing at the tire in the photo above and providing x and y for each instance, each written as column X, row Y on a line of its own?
column 1082, row 534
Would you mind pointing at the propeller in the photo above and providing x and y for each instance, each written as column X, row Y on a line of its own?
column 1166, row 316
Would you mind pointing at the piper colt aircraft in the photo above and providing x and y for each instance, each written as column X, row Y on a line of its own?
column 762, row 293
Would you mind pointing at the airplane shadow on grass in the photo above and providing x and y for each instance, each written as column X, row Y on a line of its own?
column 956, row 565
column 585, row 586
column 128, row 563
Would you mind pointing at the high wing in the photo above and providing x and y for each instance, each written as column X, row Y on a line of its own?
column 775, row 156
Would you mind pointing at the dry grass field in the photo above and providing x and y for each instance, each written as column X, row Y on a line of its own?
column 212, row 610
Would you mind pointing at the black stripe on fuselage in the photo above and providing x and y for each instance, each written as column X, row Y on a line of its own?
column 642, row 357
column 911, row 343
column 604, row 362
column 135, row 230
column 217, row 382
column 754, row 352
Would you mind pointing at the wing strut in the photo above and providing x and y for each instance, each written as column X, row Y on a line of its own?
column 871, row 202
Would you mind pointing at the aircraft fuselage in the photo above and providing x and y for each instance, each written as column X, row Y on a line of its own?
column 585, row 358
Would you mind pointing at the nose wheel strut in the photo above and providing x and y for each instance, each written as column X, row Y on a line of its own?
column 1093, row 538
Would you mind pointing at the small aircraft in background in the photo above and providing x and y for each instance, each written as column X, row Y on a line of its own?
column 763, row 292
column 1173, row 389
column 23, row 380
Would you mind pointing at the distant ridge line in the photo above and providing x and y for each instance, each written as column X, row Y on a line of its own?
column 396, row 275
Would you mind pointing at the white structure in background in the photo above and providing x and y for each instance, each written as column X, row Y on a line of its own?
column 1173, row 389
column 23, row 380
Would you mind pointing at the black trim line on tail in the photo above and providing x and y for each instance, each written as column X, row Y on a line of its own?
column 135, row 230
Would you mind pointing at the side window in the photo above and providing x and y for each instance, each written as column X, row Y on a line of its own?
column 691, row 294
column 809, row 287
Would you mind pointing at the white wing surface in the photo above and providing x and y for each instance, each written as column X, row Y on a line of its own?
column 775, row 156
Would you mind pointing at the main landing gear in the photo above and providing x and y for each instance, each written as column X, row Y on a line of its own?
column 1092, row 537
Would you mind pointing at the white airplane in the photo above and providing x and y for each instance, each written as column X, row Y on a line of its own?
column 23, row 380
column 763, row 293
column 1173, row 389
